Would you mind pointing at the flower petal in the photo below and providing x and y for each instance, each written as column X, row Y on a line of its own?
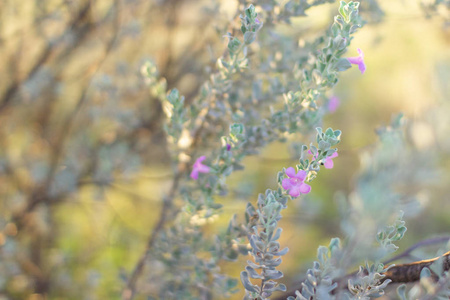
column 200, row 159
column 194, row 174
column 295, row 191
column 358, row 60
column 362, row 67
column 301, row 175
column 305, row 188
column 361, row 54
column 333, row 103
column 287, row 184
column 202, row 169
column 329, row 164
column 290, row 172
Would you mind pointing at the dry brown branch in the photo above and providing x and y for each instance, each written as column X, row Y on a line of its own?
column 411, row 272
column 401, row 273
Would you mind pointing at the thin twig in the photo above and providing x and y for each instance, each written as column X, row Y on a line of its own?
column 130, row 289
column 428, row 242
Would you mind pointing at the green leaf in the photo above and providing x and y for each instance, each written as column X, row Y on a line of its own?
column 233, row 45
column 342, row 9
column 247, row 284
column 401, row 292
column 251, row 13
column 342, row 64
column 173, row 96
column 236, row 129
column 249, row 37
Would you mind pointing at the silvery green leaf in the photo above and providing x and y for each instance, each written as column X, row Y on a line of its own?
column 253, row 265
column 268, row 256
column 343, row 9
column 330, row 152
column 282, row 252
column 324, row 146
column 279, row 287
column 425, row 273
column 273, row 274
column 236, row 129
column 273, row 245
column 312, row 279
column 252, row 273
column 401, row 292
column 173, row 96
column 319, row 132
column 317, row 76
column 247, row 284
column 255, row 244
column 277, row 234
column 322, row 254
column 228, row 171
column 354, row 28
column 337, row 133
column 342, row 64
column 307, row 290
column 234, row 44
column 268, row 285
column 249, row 37
column 274, row 263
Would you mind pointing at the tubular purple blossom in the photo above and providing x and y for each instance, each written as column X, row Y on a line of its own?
column 328, row 162
column 198, row 167
column 358, row 60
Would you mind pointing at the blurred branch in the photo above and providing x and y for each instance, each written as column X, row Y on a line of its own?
column 58, row 148
column 427, row 242
column 129, row 291
column 9, row 94
column 37, row 21
column 82, row 25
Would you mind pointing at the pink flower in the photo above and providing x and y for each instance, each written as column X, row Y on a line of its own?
column 327, row 162
column 358, row 60
column 198, row 167
column 295, row 183
column 333, row 103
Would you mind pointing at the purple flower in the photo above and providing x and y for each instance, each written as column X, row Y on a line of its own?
column 333, row 103
column 295, row 183
column 198, row 167
column 257, row 21
column 228, row 147
column 327, row 162
column 358, row 60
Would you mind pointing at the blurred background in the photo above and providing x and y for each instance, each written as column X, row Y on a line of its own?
column 83, row 158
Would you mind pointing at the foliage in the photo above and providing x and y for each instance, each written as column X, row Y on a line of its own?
column 80, row 125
